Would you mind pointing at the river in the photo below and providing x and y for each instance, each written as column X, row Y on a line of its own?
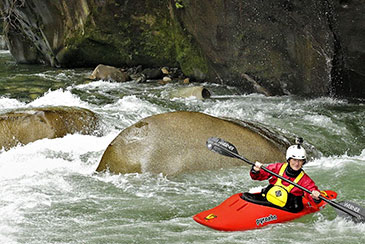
column 50, row 192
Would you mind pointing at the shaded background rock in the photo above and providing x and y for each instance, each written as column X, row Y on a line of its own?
column 278, row 46
column 3, row 45
column 152, row 73
column 27, row 125
column 310, row 48
column 349, row 61
column 106, row 72
column 174, row 143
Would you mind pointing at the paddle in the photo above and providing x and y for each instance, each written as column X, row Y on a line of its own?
column 227, row 149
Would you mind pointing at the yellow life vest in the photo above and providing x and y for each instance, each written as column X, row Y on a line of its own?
column 278, row 194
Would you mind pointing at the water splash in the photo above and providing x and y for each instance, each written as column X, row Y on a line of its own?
column 58, row 97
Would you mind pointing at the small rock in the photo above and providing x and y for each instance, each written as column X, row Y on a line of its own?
column 106, row 72
column 167, row 79
column 165, row 70
column 186, row 81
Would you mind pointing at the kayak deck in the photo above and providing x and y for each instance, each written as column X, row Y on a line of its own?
column 235, row 213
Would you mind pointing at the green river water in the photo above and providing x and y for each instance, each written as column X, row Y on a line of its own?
column 50, row 194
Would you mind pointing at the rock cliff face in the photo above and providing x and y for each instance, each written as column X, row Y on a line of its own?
column 89, row 32
column 349, row 61
column 276, row 46
column 310, row 48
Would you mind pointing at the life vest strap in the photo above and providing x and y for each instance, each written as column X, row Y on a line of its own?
column 290, row 186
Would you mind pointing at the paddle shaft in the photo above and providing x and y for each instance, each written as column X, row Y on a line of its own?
column 333, row 204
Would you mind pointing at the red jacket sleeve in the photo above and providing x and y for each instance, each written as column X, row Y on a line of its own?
column 308, row 183
column 263, row 175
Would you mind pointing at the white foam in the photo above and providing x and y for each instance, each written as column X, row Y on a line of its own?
column 131, row 109
column 100, row 84
column 341, row 226
column 324, row 122
column 7, row 104
column 47, row 155
column 338, row 161
column 256, row 189
column 35, row 175
column 58, row 98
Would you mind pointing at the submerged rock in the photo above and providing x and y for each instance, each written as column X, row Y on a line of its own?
column 27, row 125
column 173, row 143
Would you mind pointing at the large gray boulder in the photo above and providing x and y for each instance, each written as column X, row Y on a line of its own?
column 28, row 125
column 173, row 143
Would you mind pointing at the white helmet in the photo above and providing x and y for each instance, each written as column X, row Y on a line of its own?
column 297, row 152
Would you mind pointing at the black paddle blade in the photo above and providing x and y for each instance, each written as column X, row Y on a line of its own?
column 222, row 147
column 360, row 216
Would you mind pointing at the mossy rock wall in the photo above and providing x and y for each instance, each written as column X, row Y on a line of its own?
column 86, row 33
column 309, row 48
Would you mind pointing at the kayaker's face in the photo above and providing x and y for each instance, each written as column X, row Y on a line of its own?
column 296, row 164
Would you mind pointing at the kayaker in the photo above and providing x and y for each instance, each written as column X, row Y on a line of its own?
column 281, row 193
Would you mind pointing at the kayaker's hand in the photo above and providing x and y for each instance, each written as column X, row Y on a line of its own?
column 315, row 194
column 257, row 166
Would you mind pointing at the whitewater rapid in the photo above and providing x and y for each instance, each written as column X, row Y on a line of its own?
column 50, row 192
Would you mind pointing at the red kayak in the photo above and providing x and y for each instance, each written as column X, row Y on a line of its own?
column 242, row 212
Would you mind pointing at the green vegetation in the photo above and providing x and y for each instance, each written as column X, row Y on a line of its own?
column 145, row 36
column 179, row 4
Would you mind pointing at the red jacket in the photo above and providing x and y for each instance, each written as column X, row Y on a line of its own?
column 305, row 181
